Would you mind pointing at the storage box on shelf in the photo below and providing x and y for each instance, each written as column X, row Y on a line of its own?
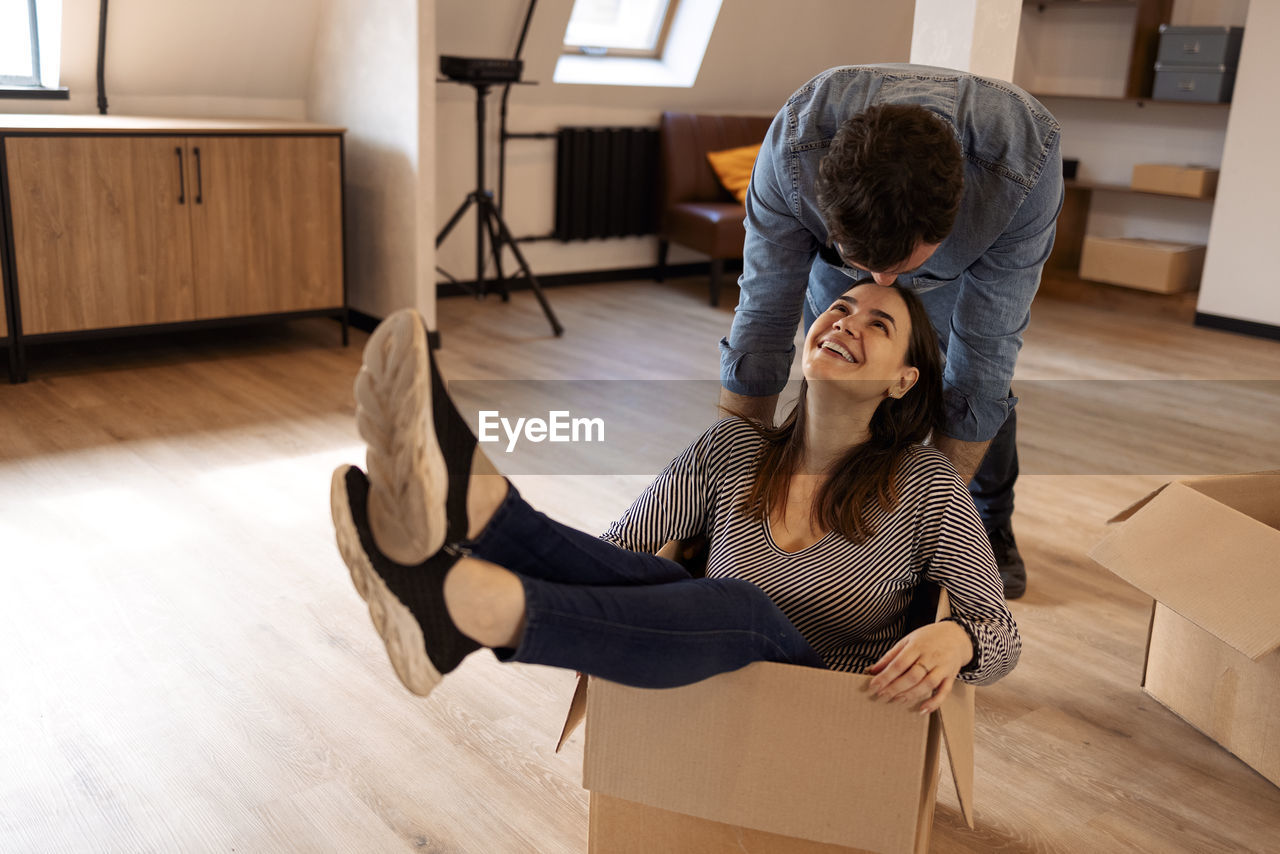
column 1193, row 182
column 1197, row 63
column 1151, row 265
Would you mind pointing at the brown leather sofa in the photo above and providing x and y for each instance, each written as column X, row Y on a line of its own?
column 695, row 210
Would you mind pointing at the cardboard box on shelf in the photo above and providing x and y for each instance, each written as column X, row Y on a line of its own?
column 770, row 758
column 1196, row 182
column 1208, row 551
column 1150, row 265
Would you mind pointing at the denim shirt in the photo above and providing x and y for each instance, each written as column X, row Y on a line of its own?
column 978, row 285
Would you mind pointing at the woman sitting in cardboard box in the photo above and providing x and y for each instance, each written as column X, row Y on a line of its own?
column 819, row 531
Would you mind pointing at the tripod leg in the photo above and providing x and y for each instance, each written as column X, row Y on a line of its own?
column 504, row 236
column 490, row 211
column 453, row 220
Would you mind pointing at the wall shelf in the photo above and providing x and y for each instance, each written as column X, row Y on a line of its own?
column 1119, row 99
column 1073, row 184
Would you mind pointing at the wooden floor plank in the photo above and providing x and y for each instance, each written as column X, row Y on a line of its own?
column 185, row 665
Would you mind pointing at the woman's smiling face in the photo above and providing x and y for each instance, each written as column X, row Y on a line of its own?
column 863, row 336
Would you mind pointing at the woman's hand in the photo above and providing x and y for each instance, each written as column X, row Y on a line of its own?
column 921, row 668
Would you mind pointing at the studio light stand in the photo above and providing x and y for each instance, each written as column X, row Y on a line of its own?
column 481, row 75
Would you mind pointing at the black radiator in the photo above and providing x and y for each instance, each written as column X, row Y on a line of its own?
column 606, row 182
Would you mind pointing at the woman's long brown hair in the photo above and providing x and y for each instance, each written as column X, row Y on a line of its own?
column 863, row 479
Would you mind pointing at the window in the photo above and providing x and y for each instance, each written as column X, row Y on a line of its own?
column 636, row 42
column 30, row 48
column 619, row 27
column 19, row 44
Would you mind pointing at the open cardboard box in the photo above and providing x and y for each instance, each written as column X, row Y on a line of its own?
column 770, row 758
column 1208, row 551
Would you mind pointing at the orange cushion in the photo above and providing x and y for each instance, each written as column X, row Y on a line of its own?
column 733, row 167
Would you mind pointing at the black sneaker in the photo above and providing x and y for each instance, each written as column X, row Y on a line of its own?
column 405, row 602
column 1013, row 572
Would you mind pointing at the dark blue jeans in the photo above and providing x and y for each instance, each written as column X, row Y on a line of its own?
column 629, row 617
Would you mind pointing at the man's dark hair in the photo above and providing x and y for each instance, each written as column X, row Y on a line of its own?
column 892, row 179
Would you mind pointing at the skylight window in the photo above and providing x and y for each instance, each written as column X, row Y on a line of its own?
column 619, row 27
column 30, row 48
column 19, row 44
column 636, row 42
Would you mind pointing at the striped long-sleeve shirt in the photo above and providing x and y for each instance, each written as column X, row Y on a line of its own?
column 849, row 601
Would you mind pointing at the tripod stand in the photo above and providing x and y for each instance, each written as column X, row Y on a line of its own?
column 489, row 222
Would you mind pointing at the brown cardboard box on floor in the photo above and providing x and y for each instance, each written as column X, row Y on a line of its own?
column 1208, row 551
column 770, row 758
column 1151, row 265
column 1196, row 182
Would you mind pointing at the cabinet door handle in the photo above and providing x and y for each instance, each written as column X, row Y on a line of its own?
column 199, row 178
column 182, row 178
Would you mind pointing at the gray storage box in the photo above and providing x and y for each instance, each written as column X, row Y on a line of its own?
column 1211, row 84
column 1203, row 46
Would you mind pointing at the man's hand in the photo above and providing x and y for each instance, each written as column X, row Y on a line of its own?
column 964, row 456
column 759, row 408
column 921, row 668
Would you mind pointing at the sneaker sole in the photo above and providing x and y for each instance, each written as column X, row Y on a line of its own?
column 399, row 630
column 408, row 478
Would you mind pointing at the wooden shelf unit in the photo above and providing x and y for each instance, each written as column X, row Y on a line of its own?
column 119, row 224
column 1063, row 264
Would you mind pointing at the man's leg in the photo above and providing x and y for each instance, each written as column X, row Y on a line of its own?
column 992, row 486
column 992, row 493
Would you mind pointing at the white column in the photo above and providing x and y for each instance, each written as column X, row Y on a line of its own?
column 1239, row 279
column 979, row 36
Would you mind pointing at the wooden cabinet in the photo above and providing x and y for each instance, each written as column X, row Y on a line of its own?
column 135, row 223
column 266, row 230
column 101, row 238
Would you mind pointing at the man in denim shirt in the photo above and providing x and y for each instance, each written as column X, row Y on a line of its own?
column 949, row 183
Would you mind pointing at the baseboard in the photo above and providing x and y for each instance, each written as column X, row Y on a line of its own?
column 589, row 277
column 360, row 320
column 367, row 323
column 1242, row 327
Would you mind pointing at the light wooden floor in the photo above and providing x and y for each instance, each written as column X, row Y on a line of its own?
column 184, row 665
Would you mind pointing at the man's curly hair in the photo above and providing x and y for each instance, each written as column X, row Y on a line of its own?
column 891, row 180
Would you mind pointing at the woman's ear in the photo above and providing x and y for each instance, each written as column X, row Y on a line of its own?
column 906, row 380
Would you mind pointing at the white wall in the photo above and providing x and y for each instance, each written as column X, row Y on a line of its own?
column 760, row 52
column 1239, row 275
column 180, row 58
column 979, row 36
column 365, row 77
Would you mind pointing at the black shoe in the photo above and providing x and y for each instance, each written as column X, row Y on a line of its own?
column 419, row 447
column 405, row 602
column 1013, row 572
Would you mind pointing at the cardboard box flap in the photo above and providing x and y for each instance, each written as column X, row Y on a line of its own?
column 958, row 720
column 1124, row 514
column 577, row 711
column 957, row 717
column 726, row 749
column 1208, row 549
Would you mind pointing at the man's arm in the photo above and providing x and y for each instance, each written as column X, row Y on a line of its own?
column 991, row 312
column 964, row 456
column 759, row 408
column 777, row 252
